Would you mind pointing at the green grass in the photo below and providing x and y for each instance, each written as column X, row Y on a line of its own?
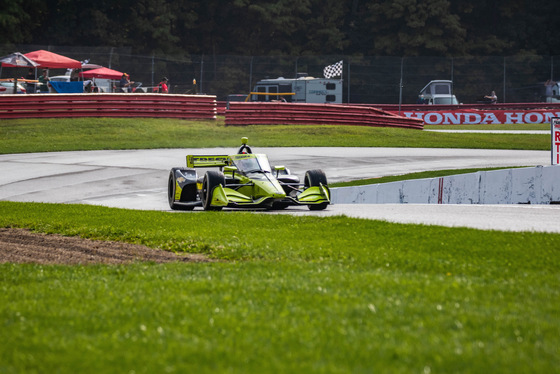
column 418, row 175
column 290, row 294
column 69, row 134
column 293, row 294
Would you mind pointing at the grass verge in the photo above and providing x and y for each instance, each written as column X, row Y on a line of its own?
column 418, row 175
column 295, row 294
column 70, row 134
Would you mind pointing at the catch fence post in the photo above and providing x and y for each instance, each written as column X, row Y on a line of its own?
column 401, row 85
column 251, row 73
column 504, row 79
column 348, row 83
column 111, row 56
column 552, row 68
column 201, row 72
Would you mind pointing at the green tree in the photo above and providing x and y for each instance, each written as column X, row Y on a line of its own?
column 410, row 28
column 490, row 26
column 289, row 27
column 324, row 30
column 150, row 26
column 18, row 19
column 269, row 27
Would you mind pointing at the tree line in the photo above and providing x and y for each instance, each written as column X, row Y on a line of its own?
column 289, row 27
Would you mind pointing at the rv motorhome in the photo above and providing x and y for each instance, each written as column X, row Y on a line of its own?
column 303, row 89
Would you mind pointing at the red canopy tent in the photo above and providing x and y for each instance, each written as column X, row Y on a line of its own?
column 47, row 59
column 103, row 73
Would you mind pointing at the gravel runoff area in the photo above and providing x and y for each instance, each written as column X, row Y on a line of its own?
column 24, row 246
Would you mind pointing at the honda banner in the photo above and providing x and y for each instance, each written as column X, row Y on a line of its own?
column 483, row 117
column 555, row 137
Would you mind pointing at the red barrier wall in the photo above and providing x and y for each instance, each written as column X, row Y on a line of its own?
column 476, row 114
column 503, row 112
column 221, row 107
column 430, row 108
column 241, row 113
column 108, row 105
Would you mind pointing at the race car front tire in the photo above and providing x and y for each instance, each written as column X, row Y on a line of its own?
column 171, row 189
column 315, row 178
column 212, row 179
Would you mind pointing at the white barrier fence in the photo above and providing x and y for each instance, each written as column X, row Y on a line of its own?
column 533, row 185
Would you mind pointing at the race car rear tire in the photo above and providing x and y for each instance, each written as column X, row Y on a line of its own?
column 212, row 179
column 314, row 178
column 171, row 188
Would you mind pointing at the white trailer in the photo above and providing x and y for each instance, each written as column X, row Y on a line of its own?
column 299, row 90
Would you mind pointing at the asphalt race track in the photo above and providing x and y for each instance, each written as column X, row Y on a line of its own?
column 137, row 179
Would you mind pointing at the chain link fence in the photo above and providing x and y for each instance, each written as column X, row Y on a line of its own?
column 370, row 80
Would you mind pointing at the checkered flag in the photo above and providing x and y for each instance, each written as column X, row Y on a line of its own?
column 333, row 70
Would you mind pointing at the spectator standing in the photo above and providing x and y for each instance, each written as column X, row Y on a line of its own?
column 30, row 88
column 492, row 98
column 162, row 86
column 44, row 81
column 549, row 85
column 125, row 84
column 74, row 75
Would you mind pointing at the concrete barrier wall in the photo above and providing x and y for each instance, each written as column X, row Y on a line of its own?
column 534, row 185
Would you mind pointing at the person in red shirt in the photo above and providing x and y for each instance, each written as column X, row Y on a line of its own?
column 162, row 86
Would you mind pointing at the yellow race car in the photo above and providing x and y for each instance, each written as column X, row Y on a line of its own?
column 243, row 180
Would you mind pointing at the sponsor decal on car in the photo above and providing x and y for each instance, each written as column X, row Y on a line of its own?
column 202, row 161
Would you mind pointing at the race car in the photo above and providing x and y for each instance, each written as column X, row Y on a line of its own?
column 244, row 180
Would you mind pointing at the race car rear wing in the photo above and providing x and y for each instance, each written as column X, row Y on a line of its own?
column 206, row 161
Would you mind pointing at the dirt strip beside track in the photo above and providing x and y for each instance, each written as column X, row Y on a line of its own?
column 24, row 246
